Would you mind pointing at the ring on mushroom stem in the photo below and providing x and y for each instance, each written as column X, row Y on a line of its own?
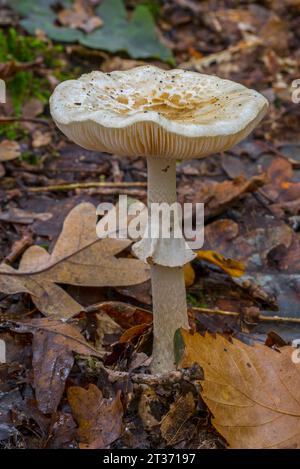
column 164, row 116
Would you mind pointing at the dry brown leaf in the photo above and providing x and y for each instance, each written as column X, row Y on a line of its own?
column 9, row 150
column 173, row 427
column 230, row 266
column 41, row 139
column 99, row 419
column 252, row 392
column 226, row 55
column 53, row 345
column 80, row 16
column 219, row 196
column 105, row 326
column 124, row 314
column 148, row 404
column 78, row 258
column 132, row 333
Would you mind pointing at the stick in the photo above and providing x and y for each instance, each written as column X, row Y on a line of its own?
column 85, row 185
column 7, row 120
column 155, row 379
column 261, row 317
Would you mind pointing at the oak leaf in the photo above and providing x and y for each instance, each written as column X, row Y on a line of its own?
column 78, row 258
column 99, row 419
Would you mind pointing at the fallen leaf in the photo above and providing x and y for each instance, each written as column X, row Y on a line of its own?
column 78, row 258
column 230, row 266
column 173, row 427
column 132, row 333
column 62, row 431
column 253, row 392
column 226, row 55
column 219, row 196
column 137, row 36
column 148, row 408
column 99, row 419
column 80, row 16
column 41, row 139
column 124, row 314
column 105, row 326
column 9, row 150
column 53, row 345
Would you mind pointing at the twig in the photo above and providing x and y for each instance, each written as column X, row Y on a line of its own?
column 157, row 379
column 261, row 317
column 85, row 185
column 7, row 120
column 18, row 248
column 137, row 193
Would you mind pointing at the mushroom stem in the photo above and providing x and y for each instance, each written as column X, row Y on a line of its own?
column 169, row 314
column 168, row 287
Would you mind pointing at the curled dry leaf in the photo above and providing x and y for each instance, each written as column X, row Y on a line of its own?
column 253, row 392
column 53, row 345
column 131, row 334
column 125, row 315
column 78, row 258
column 219, row 196
column 230, row 266
column 99, row 419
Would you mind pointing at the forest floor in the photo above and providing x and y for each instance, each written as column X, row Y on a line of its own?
column 252, row 199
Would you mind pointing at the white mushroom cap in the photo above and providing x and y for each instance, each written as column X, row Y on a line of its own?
column 147, row 111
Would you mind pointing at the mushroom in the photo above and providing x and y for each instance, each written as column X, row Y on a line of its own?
column 164, row 116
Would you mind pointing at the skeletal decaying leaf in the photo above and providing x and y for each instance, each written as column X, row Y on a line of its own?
column 99, row 419
column 78, row 258
column 173, row 427
column 253, row 392
column 53, row 345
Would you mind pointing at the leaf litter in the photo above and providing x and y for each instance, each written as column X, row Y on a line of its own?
column 89, row 328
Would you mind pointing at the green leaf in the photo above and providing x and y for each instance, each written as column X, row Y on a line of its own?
column 53, row 32
column 32, row 7
column 137, row 36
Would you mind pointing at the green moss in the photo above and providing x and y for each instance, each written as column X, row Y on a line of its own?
column 197, row 299
column 29, row 158
column 26, row 84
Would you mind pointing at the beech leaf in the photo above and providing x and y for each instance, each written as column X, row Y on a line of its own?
column 253, row 392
